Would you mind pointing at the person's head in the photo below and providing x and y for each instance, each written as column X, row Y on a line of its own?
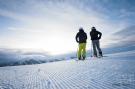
column 93, row 29
column 81, row 29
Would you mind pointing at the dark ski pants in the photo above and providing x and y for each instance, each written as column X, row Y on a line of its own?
column 96, row 47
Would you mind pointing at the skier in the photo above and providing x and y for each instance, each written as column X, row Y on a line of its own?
column 95, row 37
column 81, row 38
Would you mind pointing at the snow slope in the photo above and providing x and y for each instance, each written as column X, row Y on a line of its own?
column 93, row 73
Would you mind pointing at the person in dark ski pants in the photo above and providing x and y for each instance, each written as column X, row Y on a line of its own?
column 81, row 38
column 95, row 37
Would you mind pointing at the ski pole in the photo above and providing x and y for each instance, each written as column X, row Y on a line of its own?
column 77, row 53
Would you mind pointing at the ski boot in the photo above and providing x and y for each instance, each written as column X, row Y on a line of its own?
column 79, row 58
column 100, row 54
column 83, row 58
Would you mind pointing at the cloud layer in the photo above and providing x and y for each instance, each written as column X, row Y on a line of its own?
column 51, row 25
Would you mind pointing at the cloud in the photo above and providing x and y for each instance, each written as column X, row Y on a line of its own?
column 52, row 24
column 124, row 37
column 48, row 13
column 12, row 15
column 128, row 31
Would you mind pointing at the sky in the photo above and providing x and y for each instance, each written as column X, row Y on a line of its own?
column 51, row 25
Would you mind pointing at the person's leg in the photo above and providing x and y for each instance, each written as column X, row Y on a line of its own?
column 80, row 51
column 84, row 50
column 94, row 48
column 98, row 47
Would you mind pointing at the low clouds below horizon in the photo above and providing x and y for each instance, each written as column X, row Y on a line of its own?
column 14, row 55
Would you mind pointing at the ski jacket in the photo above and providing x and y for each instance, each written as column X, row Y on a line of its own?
column 81, row 37
column 95, row 35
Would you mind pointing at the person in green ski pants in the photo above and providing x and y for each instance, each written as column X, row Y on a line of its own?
column 81, row 38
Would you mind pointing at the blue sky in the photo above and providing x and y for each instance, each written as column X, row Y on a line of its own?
column 51, row 25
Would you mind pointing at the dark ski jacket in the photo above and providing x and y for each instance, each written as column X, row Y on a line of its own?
column 81, row 37
column 95, row 35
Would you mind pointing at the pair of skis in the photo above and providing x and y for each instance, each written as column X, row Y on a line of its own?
column 99, row 56
column 91, row 57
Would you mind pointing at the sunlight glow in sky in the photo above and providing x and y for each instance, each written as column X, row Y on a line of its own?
column 51, row 25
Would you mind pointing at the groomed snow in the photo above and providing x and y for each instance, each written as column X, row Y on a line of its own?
column 93, row 73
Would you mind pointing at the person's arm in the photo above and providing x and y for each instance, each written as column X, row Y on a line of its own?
column 90, row 34
column 86, row 36
column 76, row 38
column 100, row 34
